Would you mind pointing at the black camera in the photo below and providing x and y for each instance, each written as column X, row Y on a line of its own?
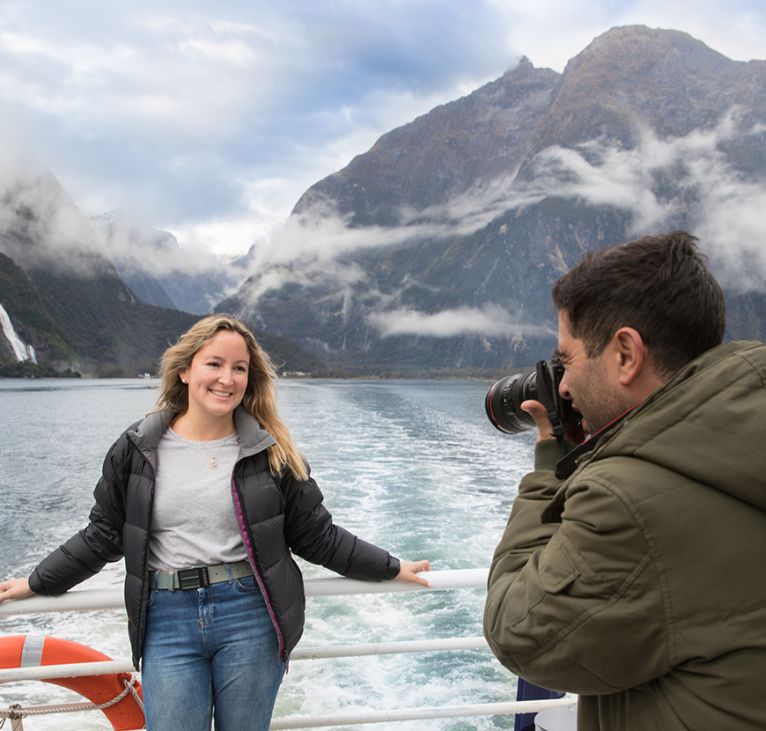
column 504, row 399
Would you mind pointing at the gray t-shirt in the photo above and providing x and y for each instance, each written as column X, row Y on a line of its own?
column 193, row 521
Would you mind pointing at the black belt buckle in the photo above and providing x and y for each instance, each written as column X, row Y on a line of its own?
column 193, row 578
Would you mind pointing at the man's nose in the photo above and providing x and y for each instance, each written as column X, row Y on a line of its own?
column 564, row 388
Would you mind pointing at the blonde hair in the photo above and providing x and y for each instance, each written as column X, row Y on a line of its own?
column 260, row 399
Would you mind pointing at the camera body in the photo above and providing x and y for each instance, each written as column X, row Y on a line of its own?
column 504, row 399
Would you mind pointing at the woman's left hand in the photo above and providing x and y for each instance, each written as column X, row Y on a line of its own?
column 408, row 571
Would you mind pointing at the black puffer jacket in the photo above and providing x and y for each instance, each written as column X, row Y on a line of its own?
column 276, row 515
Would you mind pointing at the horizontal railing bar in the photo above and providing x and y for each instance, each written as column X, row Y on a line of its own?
column 440, row 580
column 107, row 667
column 66, row 670
column 77, row 601
column 94, row 599
column 351, row 718
column 389, row 648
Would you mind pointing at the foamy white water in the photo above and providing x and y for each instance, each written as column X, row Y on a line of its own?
column 413, row 466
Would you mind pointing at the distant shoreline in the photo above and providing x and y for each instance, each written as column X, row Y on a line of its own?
column 416, row 376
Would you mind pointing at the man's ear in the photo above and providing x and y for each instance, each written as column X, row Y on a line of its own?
column 630, row 355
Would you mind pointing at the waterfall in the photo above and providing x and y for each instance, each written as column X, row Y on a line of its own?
column 21, row 350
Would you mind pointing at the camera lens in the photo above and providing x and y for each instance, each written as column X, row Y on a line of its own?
column 503, row 403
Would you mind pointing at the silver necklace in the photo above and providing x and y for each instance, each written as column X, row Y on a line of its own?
column 212, row 457
column 212, row 461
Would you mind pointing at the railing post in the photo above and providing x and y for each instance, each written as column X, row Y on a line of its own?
column 17, row 721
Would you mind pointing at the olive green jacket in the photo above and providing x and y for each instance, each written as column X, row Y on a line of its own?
column 639, row 582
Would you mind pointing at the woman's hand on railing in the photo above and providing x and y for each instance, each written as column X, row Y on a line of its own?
column 408, row 572
column 15, row 589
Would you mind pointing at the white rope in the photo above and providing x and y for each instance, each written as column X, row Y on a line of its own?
column 17, row 711
column 130, row 685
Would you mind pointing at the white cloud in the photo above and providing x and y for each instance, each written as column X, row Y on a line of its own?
column 491, row 320
column 730, row 222
column 136, row 245
column 234, row 53
column 215, row 236
column 723, row 207
column 620, row 179
column 42, row 220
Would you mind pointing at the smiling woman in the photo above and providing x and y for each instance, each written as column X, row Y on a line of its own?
column 216, row 380
column 210, row 496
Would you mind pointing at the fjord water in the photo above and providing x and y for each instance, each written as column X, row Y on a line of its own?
column 413, row 466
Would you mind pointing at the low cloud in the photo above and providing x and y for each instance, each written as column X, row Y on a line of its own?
column 491, row 320
column 320, row 239
column 40, row 225
column 137, row 246
column 604, row 177
column 721, row 204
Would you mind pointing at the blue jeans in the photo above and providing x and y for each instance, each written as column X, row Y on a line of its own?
column 211, row 648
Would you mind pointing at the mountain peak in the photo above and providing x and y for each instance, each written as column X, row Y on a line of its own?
column 634, row 74
column 524, row 64
column 624, row 51
column 524, row 70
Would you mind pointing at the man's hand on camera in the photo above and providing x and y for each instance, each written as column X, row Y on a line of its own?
column 540, row 416
column 573, row 432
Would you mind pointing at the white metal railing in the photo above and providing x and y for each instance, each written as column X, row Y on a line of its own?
column 89, row 600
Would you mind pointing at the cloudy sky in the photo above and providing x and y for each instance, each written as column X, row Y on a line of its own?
column 210, row 119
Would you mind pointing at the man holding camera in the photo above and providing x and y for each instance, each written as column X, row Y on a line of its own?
column 631, row 570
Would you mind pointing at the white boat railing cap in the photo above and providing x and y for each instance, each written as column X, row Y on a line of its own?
column 94, row 599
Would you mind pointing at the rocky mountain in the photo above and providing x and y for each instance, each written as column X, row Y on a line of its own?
column 64, row 307
column 436, row 249
column 61, row 293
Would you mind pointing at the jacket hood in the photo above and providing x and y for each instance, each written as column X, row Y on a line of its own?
column 708, row 423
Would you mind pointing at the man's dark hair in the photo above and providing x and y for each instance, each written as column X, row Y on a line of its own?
column 658, row 285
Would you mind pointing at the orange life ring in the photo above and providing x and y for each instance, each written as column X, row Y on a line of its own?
column 28, row 650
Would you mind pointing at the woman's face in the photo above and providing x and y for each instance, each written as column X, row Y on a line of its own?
column 217, row 376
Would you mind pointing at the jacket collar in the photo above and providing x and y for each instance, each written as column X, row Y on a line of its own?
column 146, row 434
column 253, row 437
column 568, row 463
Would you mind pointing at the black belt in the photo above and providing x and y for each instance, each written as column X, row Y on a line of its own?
column 199, row 576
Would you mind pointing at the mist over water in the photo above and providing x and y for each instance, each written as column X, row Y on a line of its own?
column 413, row 466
